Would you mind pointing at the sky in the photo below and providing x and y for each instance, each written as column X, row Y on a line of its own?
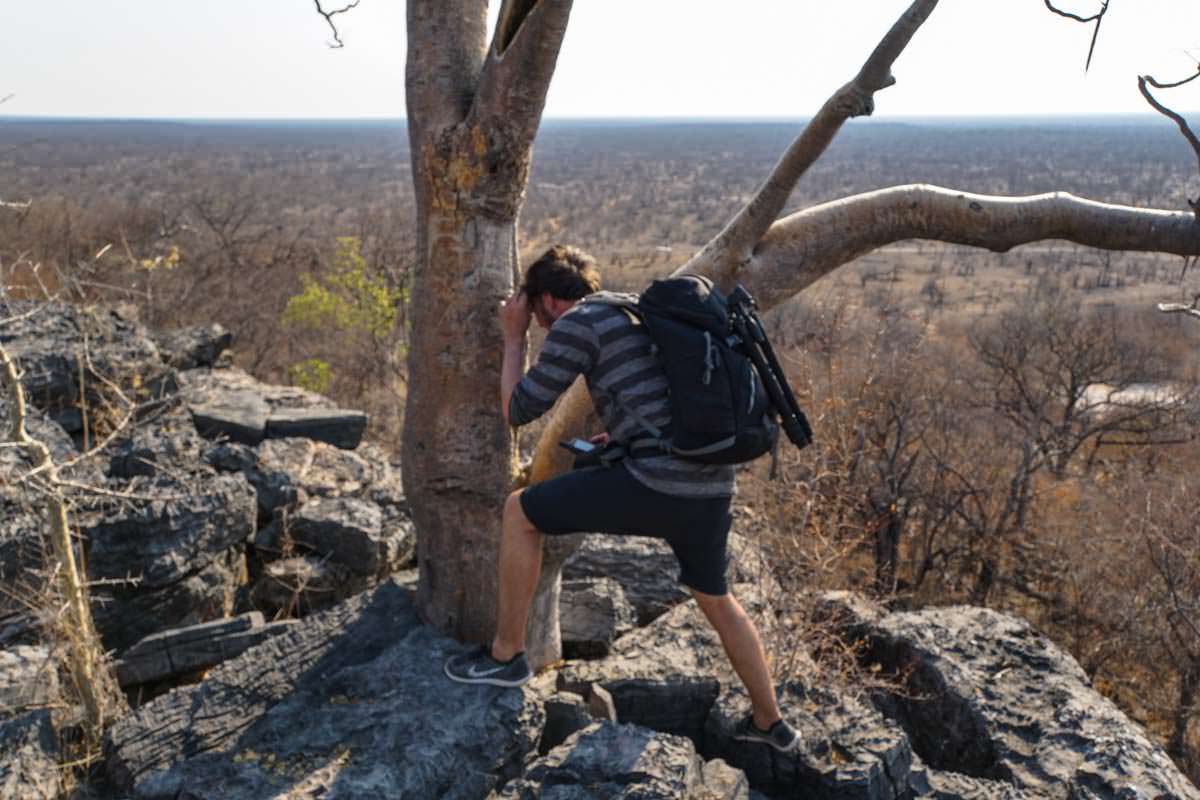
column 621, row 58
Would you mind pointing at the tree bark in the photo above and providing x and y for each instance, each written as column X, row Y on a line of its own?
column 473, row 115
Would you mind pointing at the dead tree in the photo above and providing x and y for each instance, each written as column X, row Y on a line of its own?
column 473, row 110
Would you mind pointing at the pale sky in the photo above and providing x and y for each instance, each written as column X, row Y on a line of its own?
column 621, row 58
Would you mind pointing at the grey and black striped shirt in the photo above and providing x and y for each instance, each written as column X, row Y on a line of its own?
column 613, row 353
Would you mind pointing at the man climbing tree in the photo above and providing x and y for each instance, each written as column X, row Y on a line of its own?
column 473, row 112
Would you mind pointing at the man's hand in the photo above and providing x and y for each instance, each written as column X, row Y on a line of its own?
column 515, row 314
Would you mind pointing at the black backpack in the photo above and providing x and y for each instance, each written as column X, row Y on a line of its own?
column 726, row 388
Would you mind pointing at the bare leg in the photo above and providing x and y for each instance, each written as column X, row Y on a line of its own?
column 744, row 648
column 520, row 565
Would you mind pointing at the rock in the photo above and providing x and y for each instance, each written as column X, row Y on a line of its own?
column 28, row 678
column 22, row 549
column 607, row 760
column 49, row 347
column 848, row 749
column 347, row 531
column 29, row 768
column 938, row 785
column 184, row 552
column 166, row 443
column 299, row 585
column 566, row 714
column 338, row 427
column 351, row 703
column 182, row 650
column 593, row 613
column 648, row 572
column 239, row 416
column 203, row 386
column 988, row 697
column 286, row 472
column 665, row 676
column 196, row 346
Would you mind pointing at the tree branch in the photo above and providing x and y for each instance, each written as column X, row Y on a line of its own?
column 1098, row 17
column 520, row 63
column 329, row 15
column 735, row 244
column 446, row 48
column 809, row 244
column 1177, row 118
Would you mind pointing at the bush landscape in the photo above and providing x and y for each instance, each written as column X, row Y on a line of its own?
column 1010, row 430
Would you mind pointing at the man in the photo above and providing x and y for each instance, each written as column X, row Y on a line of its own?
column 659, row 495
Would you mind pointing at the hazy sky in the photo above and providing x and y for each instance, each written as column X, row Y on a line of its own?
column 661, row 58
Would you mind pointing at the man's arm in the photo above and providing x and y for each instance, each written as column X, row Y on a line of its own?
column 515, row 315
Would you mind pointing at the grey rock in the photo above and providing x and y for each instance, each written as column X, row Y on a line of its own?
column 648, row 572
column 299, row 585
column 167, row 443
column 203, row 386
column 351, row 703
column 29, row 768
column 665, row 676
column 28, row 678
column 289, row 471
column 939, row 785
column 22, row 548
column 239, row 416
column 182, row 650
column 566, row 714
column 607, row 760
column 593, row 613
column 347, row 531
column 989, row 697
column 184, row 552
column 49, row 347
column 196, row 346
column 336, row 426
column 848, row 749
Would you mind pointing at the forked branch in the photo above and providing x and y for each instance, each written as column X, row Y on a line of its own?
column 1098, row 17
column 1192, row 310
column 520, row 63
column 329, row 15
column 1144, row 84
column 735, row 244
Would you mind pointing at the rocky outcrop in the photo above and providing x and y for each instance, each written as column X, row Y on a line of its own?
column 197, row 346
column 607, row 760
column 351, row 703
column 593, row 613
column 987, row 696
column 28, row 678
column 29, row 756
column 172, row 559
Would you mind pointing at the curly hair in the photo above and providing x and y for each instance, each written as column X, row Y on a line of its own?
column 566, row 273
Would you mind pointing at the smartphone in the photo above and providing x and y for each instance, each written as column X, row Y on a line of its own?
column 580, row 447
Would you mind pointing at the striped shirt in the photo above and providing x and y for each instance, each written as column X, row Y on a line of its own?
column 614, row 354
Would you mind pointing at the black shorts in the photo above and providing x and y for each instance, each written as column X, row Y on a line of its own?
column 610, row 500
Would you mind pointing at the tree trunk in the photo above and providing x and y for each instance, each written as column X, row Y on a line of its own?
column 473, row 112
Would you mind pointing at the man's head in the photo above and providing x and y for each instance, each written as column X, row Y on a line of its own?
column 560, row 277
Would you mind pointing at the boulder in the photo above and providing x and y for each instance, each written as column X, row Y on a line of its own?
column 22, row 549
column 166, row 443
column 195, row 346
column 286, row 472
column 592, row 613
column 351, row 703
column 48, row 344
column 299, row 585
column 179, row 651
column 987, row 696
column 849, row 751
column 608, row 760
column 238, row 416
column 667, row 675
column 566, row 714
column 648, row 572
column 29, row 758
column 28, row 678
column 175, row 555
column 336, row 426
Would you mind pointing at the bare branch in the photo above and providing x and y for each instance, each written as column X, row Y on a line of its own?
column 735, row 244
column 1098, row 17
column 1180, row 308
column 6, row 98
column 1175, row 117
column 329, row 15
column 809, row 244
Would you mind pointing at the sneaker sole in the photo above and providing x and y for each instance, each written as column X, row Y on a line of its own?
column 790, row 748
column 508, row 684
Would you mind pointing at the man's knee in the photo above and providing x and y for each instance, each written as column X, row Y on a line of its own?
column 718, row 607
column 514, row 513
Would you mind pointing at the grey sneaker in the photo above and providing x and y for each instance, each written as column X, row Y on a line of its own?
column 478, row 666
column 781, row 736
